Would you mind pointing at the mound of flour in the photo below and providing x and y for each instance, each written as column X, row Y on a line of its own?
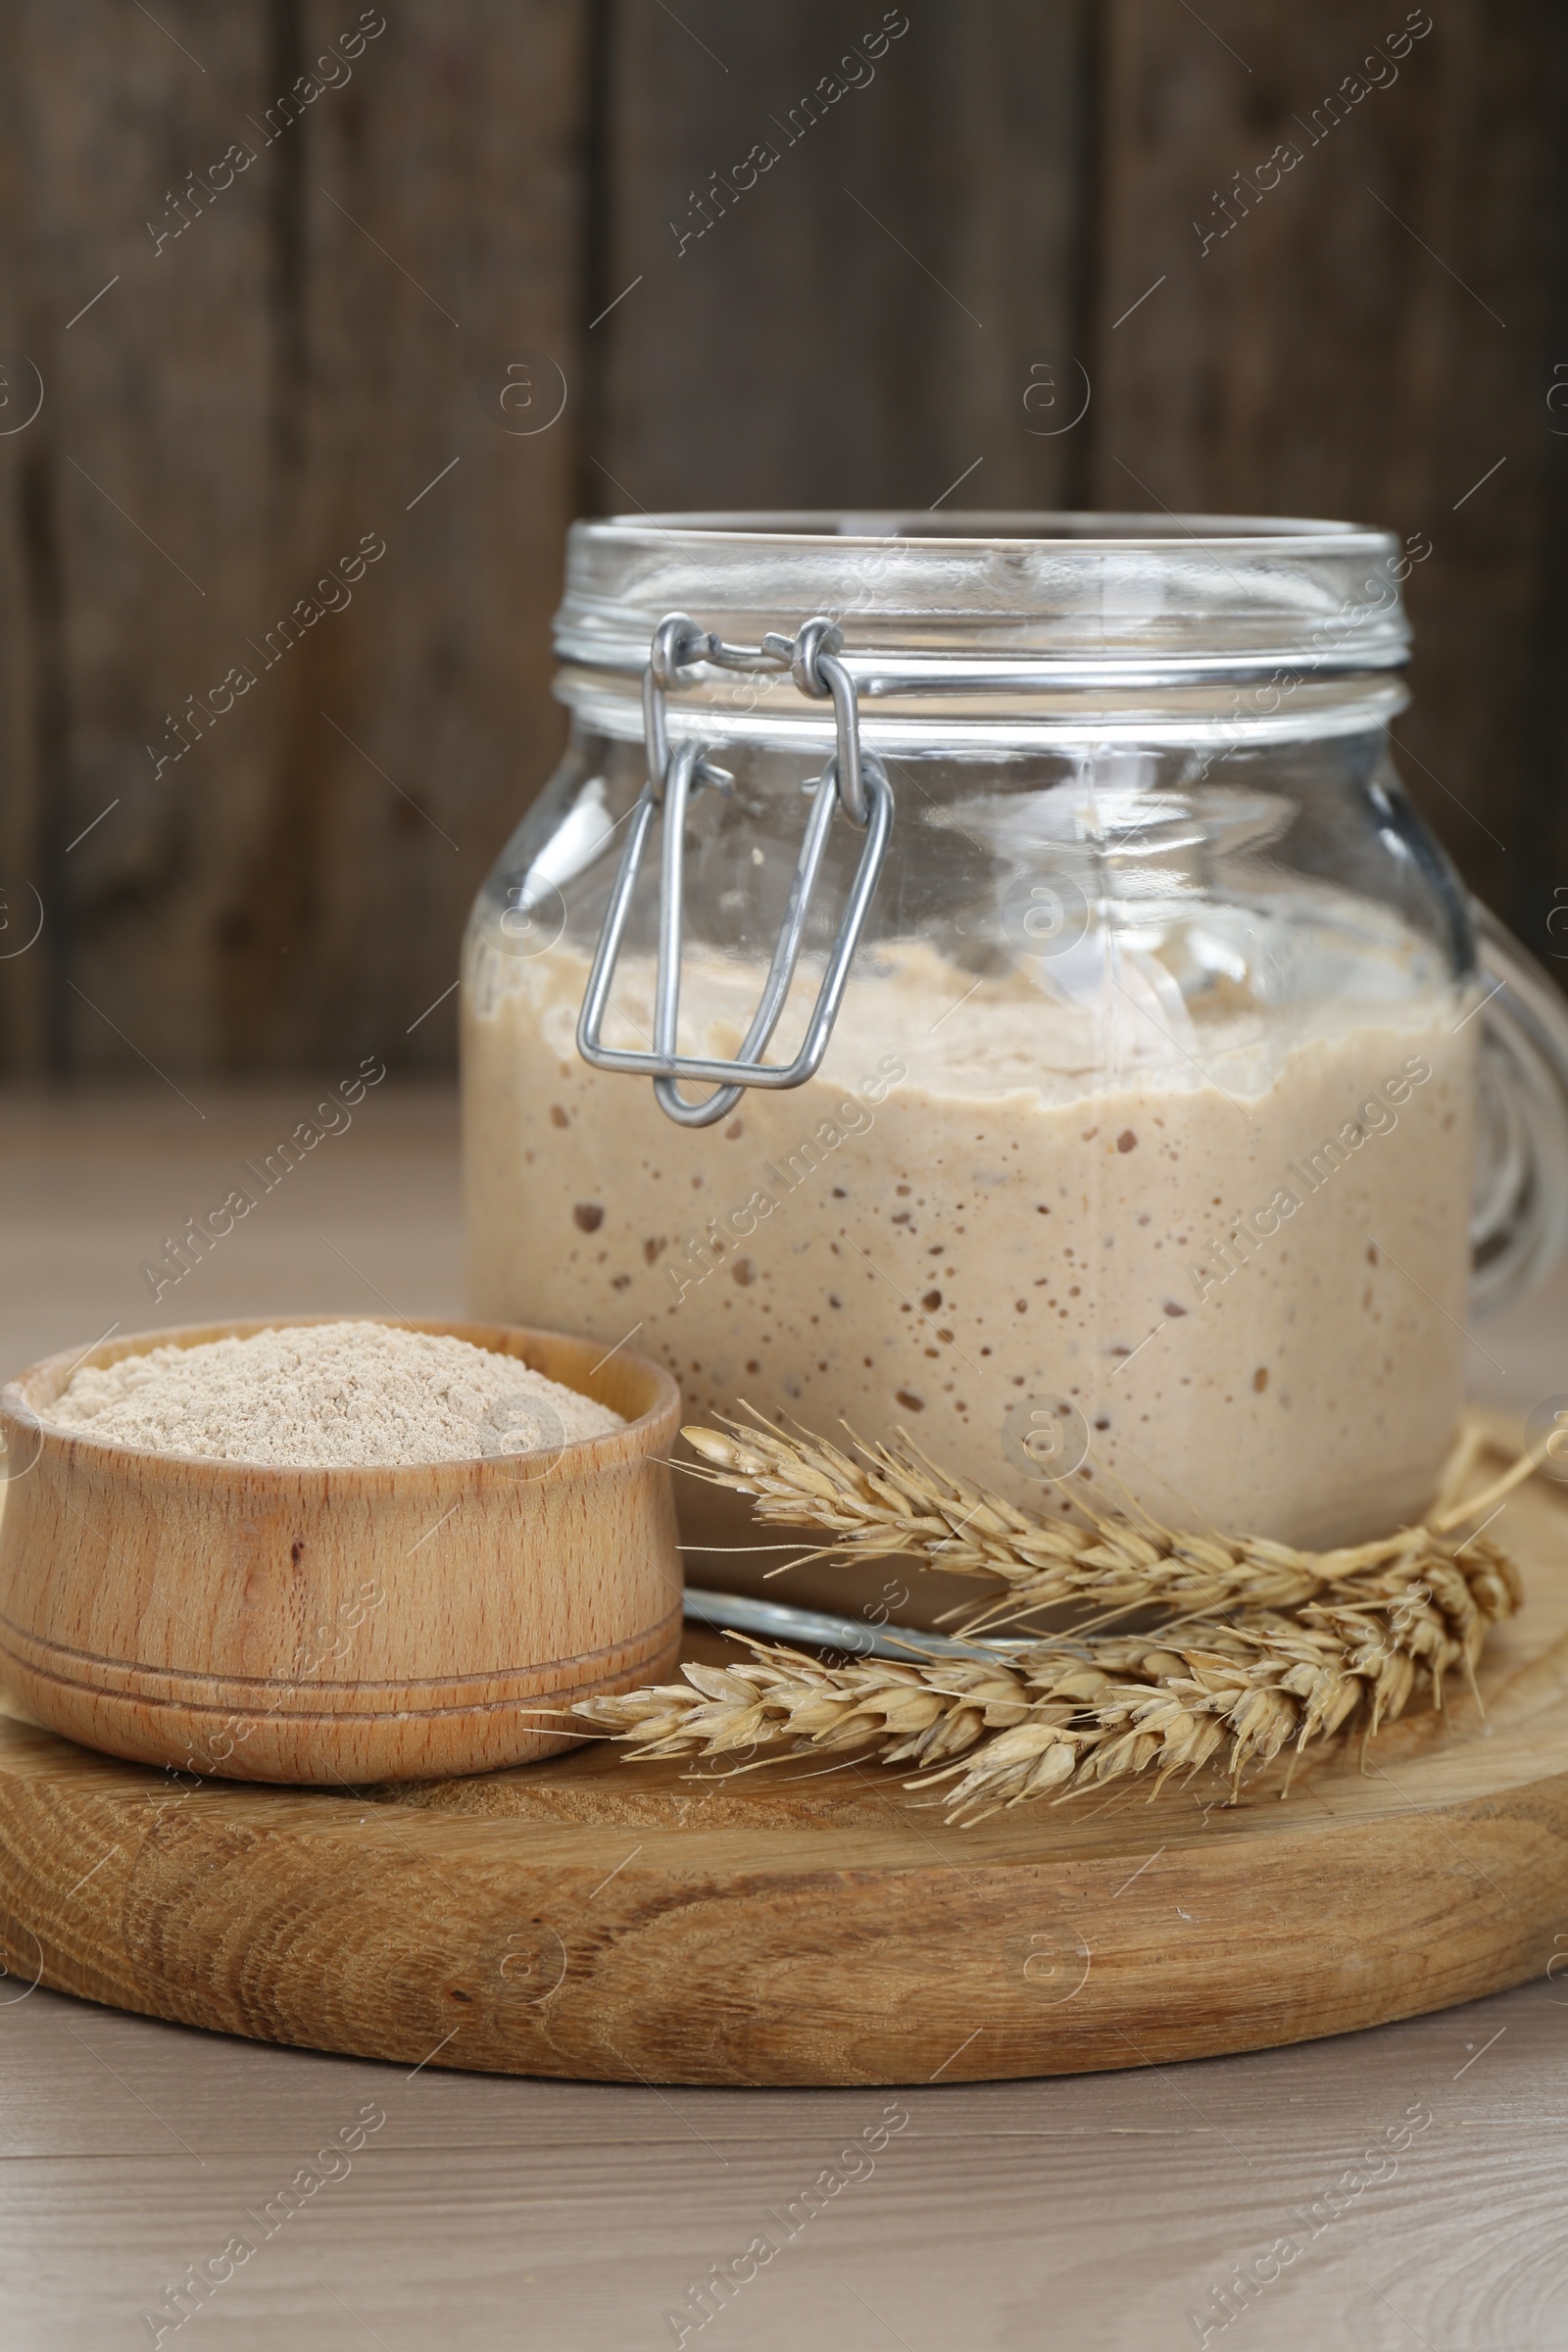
column 328, row 1395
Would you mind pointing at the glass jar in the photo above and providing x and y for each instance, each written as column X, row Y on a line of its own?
column 1133, row 1134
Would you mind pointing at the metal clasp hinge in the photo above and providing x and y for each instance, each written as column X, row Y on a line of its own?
column 852, row 779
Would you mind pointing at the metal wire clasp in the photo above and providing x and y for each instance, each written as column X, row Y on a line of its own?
column 852, row 779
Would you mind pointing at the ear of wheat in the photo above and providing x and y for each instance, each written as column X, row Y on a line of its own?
column 896, row 1501
column 1310, row 1645
column 1061, row 1717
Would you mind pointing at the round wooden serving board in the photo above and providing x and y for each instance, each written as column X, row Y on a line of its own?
column 589, row 1918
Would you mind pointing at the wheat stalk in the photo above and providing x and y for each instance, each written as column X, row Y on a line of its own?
column 1310, row 1645
column 1062, row 1717
column 896, row 1501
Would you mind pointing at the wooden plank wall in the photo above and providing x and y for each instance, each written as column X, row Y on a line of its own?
column 312, row 368
column 274, row 390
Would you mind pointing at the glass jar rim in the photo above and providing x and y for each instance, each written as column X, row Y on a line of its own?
column 981, row 599
column 984, row 526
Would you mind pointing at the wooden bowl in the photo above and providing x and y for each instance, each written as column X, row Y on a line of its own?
column 334, row 1626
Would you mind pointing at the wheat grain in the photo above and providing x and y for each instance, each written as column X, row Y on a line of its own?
column 1310, row 1647
column 898, row 1502
column 1063, row 1716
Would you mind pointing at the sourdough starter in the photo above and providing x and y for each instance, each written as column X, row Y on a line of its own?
column 1243, row 1260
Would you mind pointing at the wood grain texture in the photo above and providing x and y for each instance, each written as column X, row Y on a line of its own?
column 588, row 1918
column 272, row 383
column 1367, row 338
column 327, row 1625
column 576, row 2215
column 858, row 325
column 140, row 498
column 438, row 231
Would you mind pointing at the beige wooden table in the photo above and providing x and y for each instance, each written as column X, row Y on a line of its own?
column 1084, row 2213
